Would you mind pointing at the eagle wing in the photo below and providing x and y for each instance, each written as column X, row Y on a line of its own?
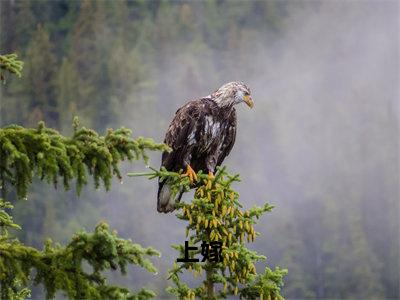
column 182, row 128
column 229, row 139
column 180, row 137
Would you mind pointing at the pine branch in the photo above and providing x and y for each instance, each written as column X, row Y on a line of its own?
column 49, row 155
column 61, row 268
column 6, row 221
column 25, row 152
column 41, row 150
column 10, row 63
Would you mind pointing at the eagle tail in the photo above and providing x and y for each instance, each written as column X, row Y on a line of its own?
column 165, row 201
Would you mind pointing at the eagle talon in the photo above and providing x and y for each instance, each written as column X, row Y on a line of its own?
column 211, row 175
column 191, row 174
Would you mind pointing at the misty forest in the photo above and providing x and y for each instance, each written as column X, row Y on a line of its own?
column 88, row 91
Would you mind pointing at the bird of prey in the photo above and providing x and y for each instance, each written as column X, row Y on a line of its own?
column 201, row 135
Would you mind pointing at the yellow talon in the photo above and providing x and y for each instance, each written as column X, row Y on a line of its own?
column 190, row 173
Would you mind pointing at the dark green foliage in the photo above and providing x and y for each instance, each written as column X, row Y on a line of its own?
column 61, row 268
column 39, row 80
column 215, row 214
column 51, row 156
column 6, row 221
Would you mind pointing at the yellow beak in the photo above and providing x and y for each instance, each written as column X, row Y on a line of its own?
column 248, row 101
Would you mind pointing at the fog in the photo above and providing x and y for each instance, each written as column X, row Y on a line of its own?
column 323, row 132
column 321, row 144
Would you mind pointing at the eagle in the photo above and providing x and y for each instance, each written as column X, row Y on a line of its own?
column 201, row 135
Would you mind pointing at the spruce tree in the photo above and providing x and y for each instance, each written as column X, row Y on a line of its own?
column 67, row 83
column 216, row 215
column 39, row 80
column 42, row 152
column 27, row 24
column 89, row 52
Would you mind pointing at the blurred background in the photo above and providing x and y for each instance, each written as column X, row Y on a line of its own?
column 321, row 144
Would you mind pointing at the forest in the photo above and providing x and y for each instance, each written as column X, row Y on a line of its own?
column 321, row 144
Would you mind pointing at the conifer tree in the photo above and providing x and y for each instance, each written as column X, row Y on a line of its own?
column 89, row 52
column 43, row 152
column 216, row 215
column 39, row 79
column 27, row 24
column 67, row 91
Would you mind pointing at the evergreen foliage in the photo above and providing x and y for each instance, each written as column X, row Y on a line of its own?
column 39, row 80
column 61, row 268
column 49, row 155
column 26, row 152
column 41, row 150
column 215, row 214
column 10, row 63
column 146, row 64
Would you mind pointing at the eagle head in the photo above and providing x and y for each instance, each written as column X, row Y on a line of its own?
column 232, row 93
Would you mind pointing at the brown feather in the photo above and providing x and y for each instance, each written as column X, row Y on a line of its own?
column 201, row 134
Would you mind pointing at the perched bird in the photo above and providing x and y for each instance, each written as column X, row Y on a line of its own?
column 201, row 135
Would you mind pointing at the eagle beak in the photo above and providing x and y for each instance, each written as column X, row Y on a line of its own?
column 248, row 101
